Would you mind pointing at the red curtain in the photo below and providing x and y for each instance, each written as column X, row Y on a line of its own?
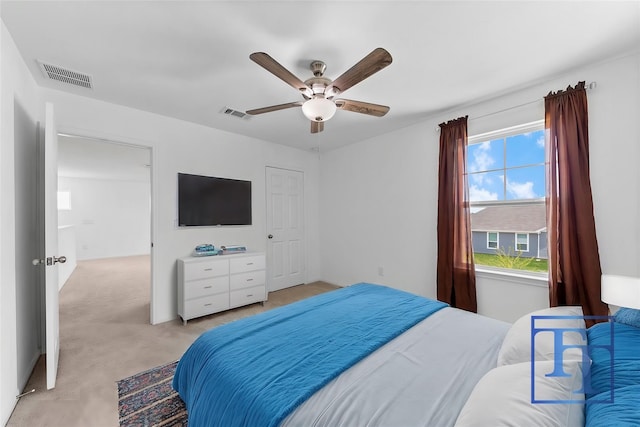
column 456, row 278
column 574, row 262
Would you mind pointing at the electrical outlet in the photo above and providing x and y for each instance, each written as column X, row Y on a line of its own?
column 380, row 271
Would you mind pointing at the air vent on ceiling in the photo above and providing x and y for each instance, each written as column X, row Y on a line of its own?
column 63, row 75
column 235, row 113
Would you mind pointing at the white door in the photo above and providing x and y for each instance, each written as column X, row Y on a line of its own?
column 51, row 259
column 285, row 228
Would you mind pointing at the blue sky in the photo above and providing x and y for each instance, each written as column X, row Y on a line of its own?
column 523, row 171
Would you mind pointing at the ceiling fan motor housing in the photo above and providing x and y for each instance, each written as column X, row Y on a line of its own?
column 318, row 68
column 317, row 85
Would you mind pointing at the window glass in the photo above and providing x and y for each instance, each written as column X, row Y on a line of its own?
column 525, row 149
column 484, row 156
column 522, row 242
column 525, row 183
column 506, row 179
column 492, row 240
column 484, row 186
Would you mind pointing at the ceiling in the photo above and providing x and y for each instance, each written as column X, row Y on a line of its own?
column 190, row 59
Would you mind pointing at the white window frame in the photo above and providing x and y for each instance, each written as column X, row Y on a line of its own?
column 527, row 244
column 497, row 240
column 502, row 134
column 505, row 133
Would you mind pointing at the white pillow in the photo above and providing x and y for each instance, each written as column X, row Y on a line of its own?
column 516, row 347
column 502, row 398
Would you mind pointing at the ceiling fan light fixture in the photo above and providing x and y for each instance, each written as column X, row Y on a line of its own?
column 319, row 109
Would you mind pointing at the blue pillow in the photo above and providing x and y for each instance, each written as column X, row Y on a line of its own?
column 628, row 316
column 623, row 412
column 625, row 340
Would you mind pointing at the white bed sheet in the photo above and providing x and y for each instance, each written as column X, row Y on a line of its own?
column 421, row 378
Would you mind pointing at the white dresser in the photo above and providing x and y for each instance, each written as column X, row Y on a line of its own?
column 208, row 285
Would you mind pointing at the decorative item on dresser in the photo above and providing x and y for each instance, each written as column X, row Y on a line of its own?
column 212, row 284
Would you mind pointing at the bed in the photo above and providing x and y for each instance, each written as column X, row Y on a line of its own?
column 370, row 355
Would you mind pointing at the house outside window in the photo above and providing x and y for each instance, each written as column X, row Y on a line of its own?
column 522, row 242
column 492, row 240
column 506, row 179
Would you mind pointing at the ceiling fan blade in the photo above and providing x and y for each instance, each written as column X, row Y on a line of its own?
column 317, row 126
column 369, row 65
column 273, row 108
column 272, row 66
column 362, row 107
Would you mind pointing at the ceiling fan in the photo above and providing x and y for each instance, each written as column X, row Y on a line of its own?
column 319, row 103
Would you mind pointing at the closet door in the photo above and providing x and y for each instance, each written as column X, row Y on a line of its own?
column 285, row 228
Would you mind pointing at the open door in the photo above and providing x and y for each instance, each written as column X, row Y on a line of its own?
column 51, row 258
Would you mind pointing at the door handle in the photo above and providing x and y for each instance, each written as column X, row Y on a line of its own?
column 270, row 236
column 50, row 260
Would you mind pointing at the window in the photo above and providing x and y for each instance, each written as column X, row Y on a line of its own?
column 522, row 242
column 492, row 240
column 506, row 179
column 64, row 201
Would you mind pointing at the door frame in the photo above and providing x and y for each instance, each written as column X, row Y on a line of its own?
column 304, row 219
column 153, row 179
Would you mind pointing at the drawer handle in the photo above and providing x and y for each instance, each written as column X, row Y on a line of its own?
column 249, row 280
column 249, row 263
column 208, row 269
column 208, row 287
column 208, row 304
column 249, row 295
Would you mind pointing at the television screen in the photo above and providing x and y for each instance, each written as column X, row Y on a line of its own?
column 206, row 200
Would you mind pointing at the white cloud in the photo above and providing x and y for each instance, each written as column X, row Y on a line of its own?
column 521, row 190
column 481, row 178
column 540, row 141
column 480, row 194
column 481, row 158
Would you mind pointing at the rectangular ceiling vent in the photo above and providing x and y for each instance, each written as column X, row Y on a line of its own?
column 235, row 113
column 63, row 75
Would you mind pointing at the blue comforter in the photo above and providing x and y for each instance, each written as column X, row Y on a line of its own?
column 257, row 370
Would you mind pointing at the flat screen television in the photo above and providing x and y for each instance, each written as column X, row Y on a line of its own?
column 210, row 201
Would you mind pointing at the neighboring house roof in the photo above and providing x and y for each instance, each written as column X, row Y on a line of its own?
column 513, row 218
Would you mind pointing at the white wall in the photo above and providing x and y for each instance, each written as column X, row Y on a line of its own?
column 111, row 217
column 179, row 146
column 508, row 297
column 378, row 200
column 19, row 328
column 377, row 209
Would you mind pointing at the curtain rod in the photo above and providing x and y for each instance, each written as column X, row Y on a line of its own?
column 588, row 86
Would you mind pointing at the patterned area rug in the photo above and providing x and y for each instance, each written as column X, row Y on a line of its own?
column 147, row 399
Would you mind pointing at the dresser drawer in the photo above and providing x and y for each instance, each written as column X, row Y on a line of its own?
column 247, row 296
column 246, row 263
column 206, row 305
column 202, row 269
column 247, row 280
column 208, row 286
